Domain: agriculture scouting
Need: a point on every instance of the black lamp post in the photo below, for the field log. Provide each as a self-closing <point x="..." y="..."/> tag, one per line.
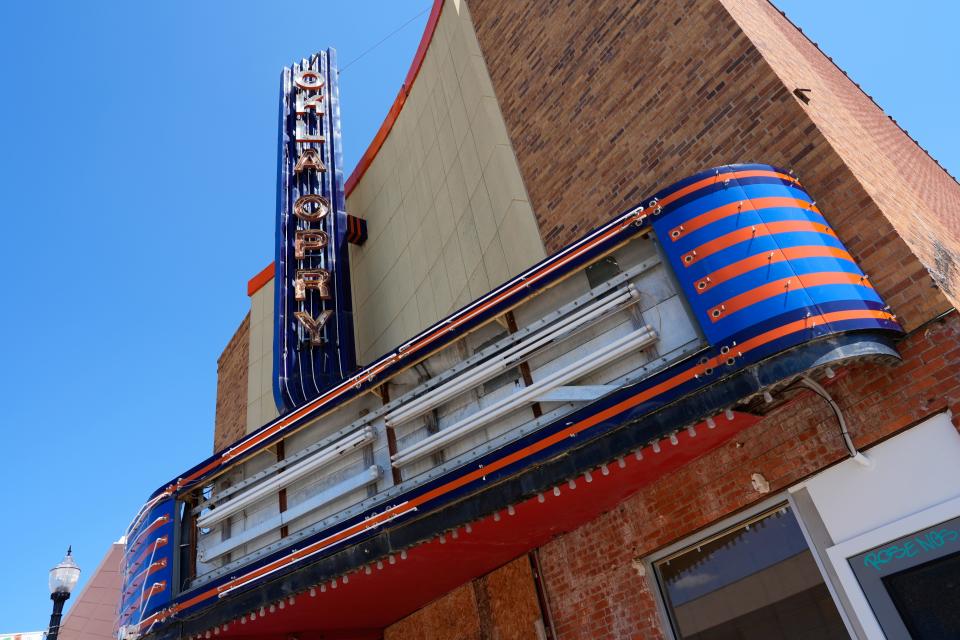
<point x="63" y="578"/>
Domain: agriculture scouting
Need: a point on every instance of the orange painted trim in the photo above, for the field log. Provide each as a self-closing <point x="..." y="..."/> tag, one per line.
<point x="260" y="280"/>
<point x="367" y="159"/>
<point x="154" y="589"/>
<point x="135" y="565"/>
<point x="156" y="524"/>
<point x="765" y="259"/>
<point x="781" y="286"/>
<point x="425" y="40"/>
<point x="145" y="509"/>
<point x="755" y="231"/>
<point x="153" y="568"/>
<point x="381" y="136"/>
<point x="722" y="177"/>
<point x="735" y="208"/>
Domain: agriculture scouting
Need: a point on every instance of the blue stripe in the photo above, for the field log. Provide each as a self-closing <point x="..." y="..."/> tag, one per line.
<point x="808" y="298"/>
<point x="744" y="220"/>
<point x="759" y="245"/>
<point x="774" y="271"/>
<point x="707" y="201"/>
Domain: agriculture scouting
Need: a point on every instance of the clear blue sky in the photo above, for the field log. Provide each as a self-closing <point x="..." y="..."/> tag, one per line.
<point x="137" y="166"/>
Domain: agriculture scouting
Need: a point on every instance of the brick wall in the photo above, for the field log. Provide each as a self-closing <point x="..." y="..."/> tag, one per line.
<point x="916" y="195"/>
<point x="501" y="605"/>
<point x="607" y="101"/>
<point x="232" y="365"/>
<point x="592" y="588"/>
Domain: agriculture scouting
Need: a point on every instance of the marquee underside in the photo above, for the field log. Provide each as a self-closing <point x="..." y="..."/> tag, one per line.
<point x="366" y="604"/>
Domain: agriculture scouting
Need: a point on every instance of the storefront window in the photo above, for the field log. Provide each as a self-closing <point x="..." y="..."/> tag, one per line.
<point x="926" y="598"/>
<point x="913" y="582"/>
<point x="757" y="580"/>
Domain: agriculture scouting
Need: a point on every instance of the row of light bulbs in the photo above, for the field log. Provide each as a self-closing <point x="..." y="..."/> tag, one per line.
<point x="453" y="533"/>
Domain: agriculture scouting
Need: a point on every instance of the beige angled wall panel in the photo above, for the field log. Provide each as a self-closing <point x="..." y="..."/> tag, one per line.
<point x="261" y="407"/>
<point x="447" y="212"/>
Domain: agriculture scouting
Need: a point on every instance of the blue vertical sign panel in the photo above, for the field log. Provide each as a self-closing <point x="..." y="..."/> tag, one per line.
<point x="313" y="334"/>
<point x="147" y="572"/>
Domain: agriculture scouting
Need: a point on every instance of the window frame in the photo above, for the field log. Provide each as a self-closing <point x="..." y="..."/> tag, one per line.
<point x="839" y="555"/>
<point x="714" y="530"/>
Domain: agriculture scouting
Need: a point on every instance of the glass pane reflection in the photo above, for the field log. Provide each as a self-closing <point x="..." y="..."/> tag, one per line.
<point x="758" y="580"/>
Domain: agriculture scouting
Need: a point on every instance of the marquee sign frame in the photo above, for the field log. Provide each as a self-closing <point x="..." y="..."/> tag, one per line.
<point x="313" y="332"/>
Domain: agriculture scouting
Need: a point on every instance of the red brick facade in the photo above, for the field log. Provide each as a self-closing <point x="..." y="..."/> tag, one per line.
<point x="606" y="102"/>
<point x="232" y="365"/>
<point x="592" y="584"/>
<point x="593" y="589"/>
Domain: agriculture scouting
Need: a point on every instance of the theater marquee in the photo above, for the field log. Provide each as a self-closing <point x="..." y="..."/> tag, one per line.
<point x="314" y="344"/>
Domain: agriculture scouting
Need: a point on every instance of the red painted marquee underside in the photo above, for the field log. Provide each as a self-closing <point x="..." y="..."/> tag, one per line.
<point x="366" y="604"/>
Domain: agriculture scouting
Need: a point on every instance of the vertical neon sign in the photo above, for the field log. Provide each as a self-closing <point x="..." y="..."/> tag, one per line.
<point x="313" y="334"/>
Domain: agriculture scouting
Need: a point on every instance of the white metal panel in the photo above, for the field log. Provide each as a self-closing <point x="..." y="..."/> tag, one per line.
<point x="912" y="471"/>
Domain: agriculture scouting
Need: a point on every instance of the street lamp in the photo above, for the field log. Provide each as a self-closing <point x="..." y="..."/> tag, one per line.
<point x="63" y="578"/>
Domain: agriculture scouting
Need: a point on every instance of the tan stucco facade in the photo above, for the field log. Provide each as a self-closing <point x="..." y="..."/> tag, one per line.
<point x="447" y="212"/>
<point x="261" y="407"/>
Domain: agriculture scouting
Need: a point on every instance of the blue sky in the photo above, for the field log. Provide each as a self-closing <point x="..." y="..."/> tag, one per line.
<point x="137" y="166"/>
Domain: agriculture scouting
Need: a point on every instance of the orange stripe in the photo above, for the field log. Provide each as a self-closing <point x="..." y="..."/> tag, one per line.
<point x="159" y="542"/>
<point x="154" y="589"/>
<point x="421" y="53"/>
<point x="755" y="231"/>
<point x="706" y="182"/>
<point x="804" y="323"/>
<point x="367" y="159"/>
<point x="156" y="524"/>
<point x="763" y="259"/>
<point x="734" y="208"/>
<point x="648" y="394"/>
<point x="153" y="568"/>
<point x="783" y="285"/>
<point x="145" y="509"/>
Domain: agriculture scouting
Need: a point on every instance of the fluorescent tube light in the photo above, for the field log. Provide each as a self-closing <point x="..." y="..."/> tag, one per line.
<point x="519" y="352"/>
<point x="284" y="478"/>
<point x="313" y="502"/>
<point x="616" y="349"/>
